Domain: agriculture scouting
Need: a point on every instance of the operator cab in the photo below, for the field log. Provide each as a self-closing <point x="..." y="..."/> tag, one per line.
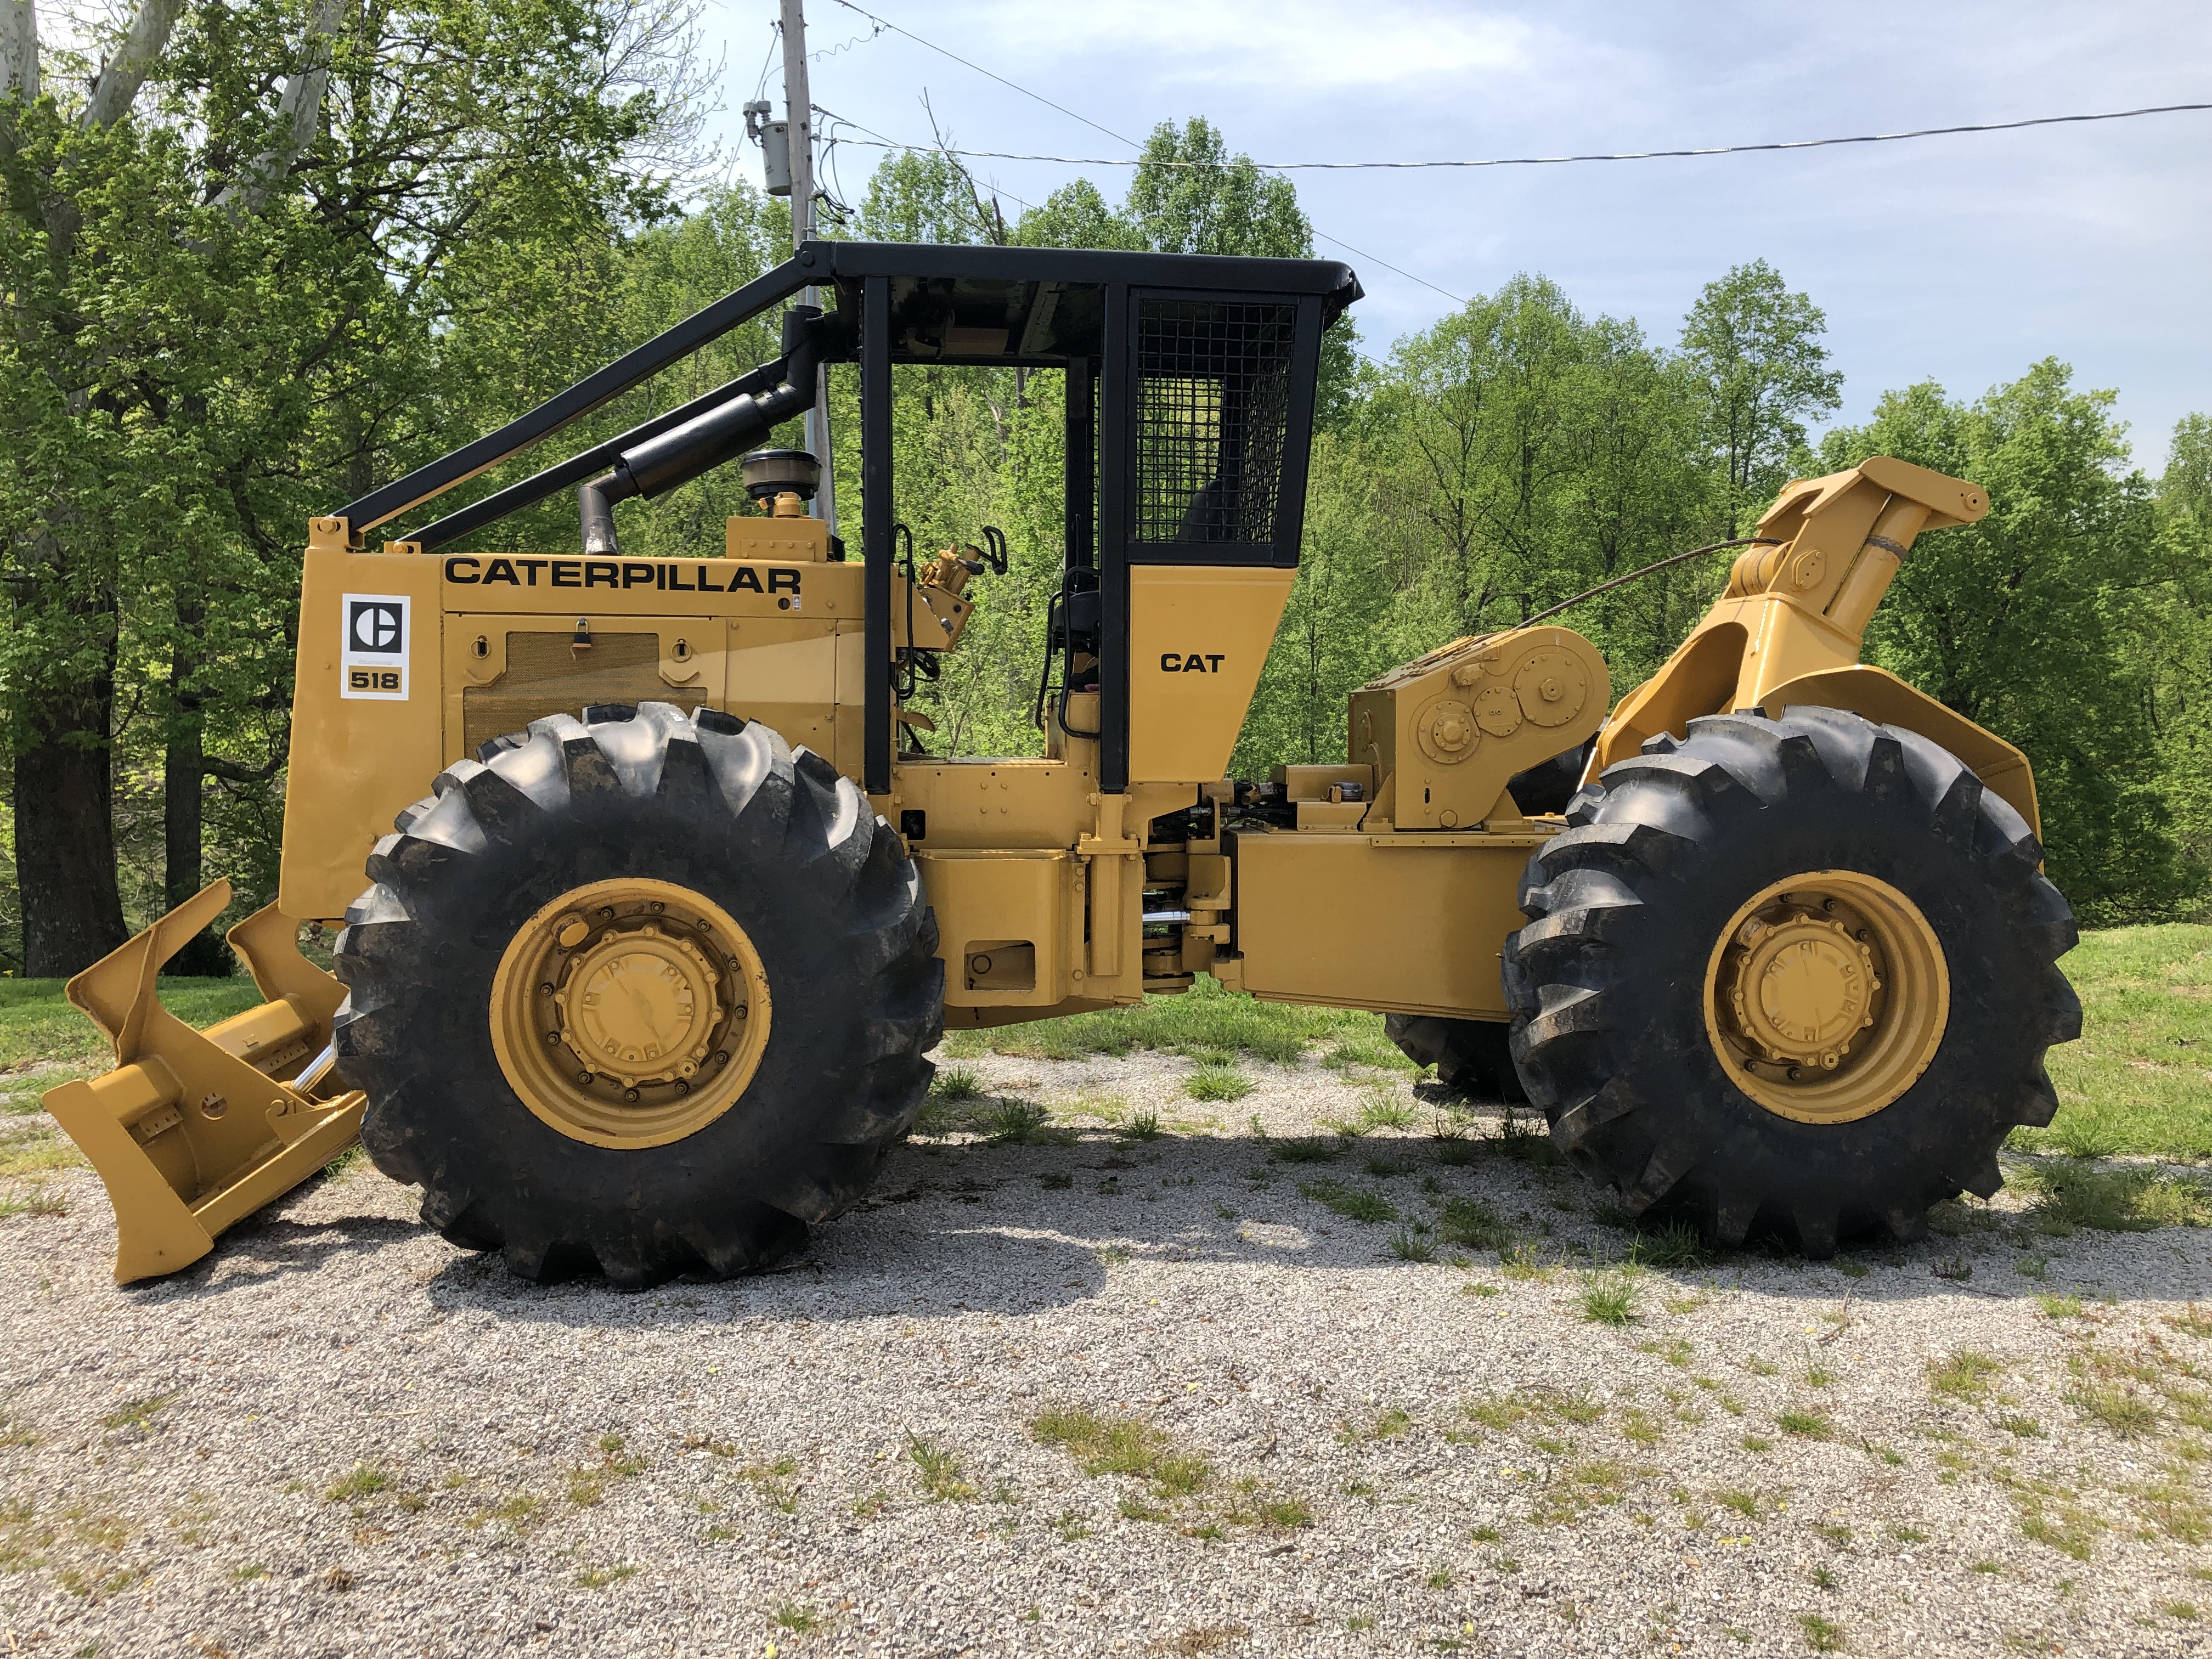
<point x="1190" y="387"/>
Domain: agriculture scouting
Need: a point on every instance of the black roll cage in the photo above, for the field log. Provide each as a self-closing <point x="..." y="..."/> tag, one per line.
<point x="894" y="303"/>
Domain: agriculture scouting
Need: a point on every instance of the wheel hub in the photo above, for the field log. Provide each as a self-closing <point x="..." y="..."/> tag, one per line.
<point x="629" y="1012"/>
<point x="1803" y="988"/>
<point x="1826" y="996"/>
<point x="641" y="1005"/>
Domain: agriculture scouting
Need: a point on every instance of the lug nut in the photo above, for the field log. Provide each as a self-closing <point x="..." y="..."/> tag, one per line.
<point x="722" y="1056"/>
<point x="583" y="1077"/>
<point x="552" y="1039"/>
<point x="629" y="1097"/>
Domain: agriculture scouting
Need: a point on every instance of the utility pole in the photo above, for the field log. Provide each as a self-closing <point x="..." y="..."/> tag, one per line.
<point x="798" y="117"/>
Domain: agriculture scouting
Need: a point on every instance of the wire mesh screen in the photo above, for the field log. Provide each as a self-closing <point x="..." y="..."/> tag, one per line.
<point x="1213" y="408"/>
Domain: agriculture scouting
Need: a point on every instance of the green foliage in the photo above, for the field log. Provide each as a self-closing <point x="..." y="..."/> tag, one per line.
<point x="1609" y="1296"/>
<point x="1354" y="1203"/>
<point x="1216" y="1082"/>
<point x="2073" y="1193"/>
<point x="219" y="323"/>
<point x="1202" y="1021"/>
<point x="1101" y="1444"/>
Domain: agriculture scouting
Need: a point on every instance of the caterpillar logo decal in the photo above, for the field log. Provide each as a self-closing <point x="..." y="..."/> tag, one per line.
<point x="467" y="571"/>
<point x="1195" y="662"/>
<point x="373" y="649"/>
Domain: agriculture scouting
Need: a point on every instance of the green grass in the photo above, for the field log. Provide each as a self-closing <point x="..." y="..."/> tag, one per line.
<point x="1610" y="1296"/>
<point x="1354" y="1203"/>
<point x="1018" y="1122"/>
<point x="1806" y="1426"/>
<point x="956" y="1083"/>
<point x="1821" y="1635"/>
<point x="2072" y="1194"/>
<point x="1101" y="1444"/>
<point x="1201" y="1021"/>
<point x="2136" y="1081"/>
<point x="1964" y="1376"/>
<point x="1413" y="1243"/>
<point x="363" y="1480"/>
<point x="39" y="1027"/>
<point x="1212" y="1081"/>
<point x="1471" y="1222"/>
<point x="942" y="1477"/>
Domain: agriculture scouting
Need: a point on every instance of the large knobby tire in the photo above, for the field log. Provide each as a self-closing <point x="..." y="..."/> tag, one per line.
<point x="1473" y="1058"/>
<point x="1622" y="1010"/>
<point x="723" y="818"/>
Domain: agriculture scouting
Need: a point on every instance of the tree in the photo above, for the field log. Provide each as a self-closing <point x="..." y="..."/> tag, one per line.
<point x="2170" y="635"/>
<point x="1076" y="215"/>
<point x="221" y="254"/>
<point x="1332" y="637"/>
<point x="1189" y="195"/>
<point x="1755" y="347"/>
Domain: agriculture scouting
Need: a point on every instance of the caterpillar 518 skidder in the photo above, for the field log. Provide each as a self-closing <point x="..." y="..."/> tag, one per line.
<point x="645" y="981"/>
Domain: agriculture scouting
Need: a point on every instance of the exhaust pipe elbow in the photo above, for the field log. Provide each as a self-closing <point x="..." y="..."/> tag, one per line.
<point x="595" y="509"/>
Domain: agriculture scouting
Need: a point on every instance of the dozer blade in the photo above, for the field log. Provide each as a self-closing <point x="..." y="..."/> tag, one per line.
<point x="194" y="1131"/>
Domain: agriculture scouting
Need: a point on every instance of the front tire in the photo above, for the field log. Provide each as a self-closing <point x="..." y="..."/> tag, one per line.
<point x="647" y="993"/>
<point x="1794" y="977"/>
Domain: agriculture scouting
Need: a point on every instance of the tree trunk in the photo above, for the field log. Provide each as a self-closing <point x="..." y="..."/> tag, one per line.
<point x="65" y="838"/>
<point x="183" y="817"/>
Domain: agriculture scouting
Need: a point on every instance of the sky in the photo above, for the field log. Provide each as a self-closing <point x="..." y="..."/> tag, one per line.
<point x="1959" y="260"/>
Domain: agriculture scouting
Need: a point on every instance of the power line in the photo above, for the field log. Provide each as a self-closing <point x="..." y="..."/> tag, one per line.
<point x="1562" y="161"/>
<point x="885" y="23"/>
<point x="845" y="46"/>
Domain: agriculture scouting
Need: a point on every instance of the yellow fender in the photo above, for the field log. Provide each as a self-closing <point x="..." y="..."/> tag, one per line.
<point x="195" y="1131"/>
<point x="1881" y="696"/>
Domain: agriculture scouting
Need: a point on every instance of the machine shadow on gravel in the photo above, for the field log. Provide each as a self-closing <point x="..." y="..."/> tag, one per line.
<point x="1019" y="1229"/>
<point x="277" y="1245"/>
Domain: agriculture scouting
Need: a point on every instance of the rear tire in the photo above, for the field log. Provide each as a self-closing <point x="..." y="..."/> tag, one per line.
<point x="839" y="941"/>
<point x="1623" y="1013"/>
<point x="1473" y="1058"/>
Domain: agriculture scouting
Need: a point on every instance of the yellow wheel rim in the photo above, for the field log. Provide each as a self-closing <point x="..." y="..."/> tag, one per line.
<point x="1827" y="995"/>
<point x="629" y="1013"/>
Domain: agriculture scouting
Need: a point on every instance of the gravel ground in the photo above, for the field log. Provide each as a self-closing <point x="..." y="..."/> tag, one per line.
<point x="340" y="1436"/>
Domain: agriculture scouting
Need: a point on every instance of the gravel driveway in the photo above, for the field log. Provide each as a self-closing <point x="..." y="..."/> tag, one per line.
<point x="1095" y="1393"/>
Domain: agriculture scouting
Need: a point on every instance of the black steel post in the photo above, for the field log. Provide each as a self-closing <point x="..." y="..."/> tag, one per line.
<point x="1116" y="390"/>
<point x="1082" y="466"/>
<point x="876" y="528"/>
<point x="1289" y="527"/>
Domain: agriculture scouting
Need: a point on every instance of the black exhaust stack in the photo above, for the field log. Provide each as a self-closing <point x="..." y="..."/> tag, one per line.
<point x="680" y="454"/>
